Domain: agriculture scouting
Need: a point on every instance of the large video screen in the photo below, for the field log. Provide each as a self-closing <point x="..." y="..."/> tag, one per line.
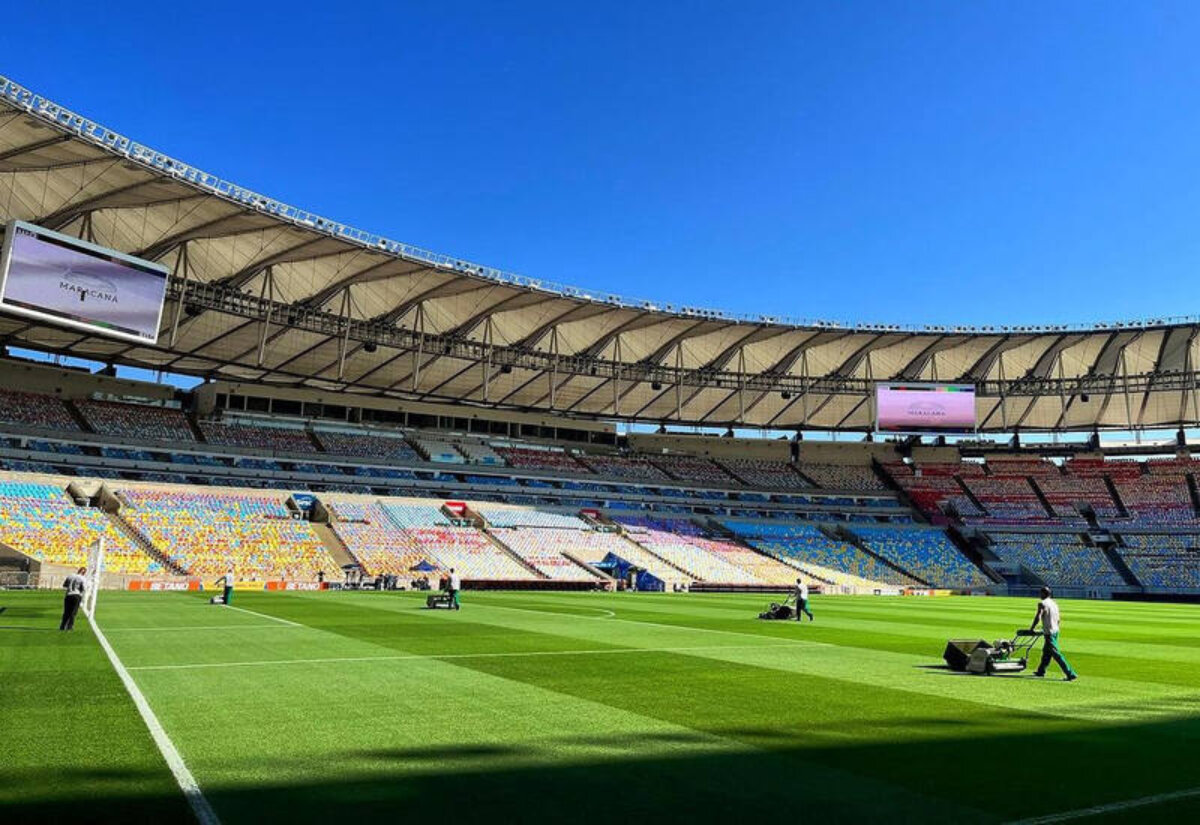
<point x="57" y="278"/>
<point x="925" y="408"/>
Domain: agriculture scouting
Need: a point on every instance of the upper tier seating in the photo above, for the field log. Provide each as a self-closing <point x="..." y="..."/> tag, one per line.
<point x="926" y="553"/>
<point x="630" y="467"/>
<point x="1057" y="559"/>
<point x="136" y="421"/>
<point x="207" y="533"/>
<point x="1164" y="560"/>
<point x="477" y="452"/>
<point x="842" y="476"/>
<point x="366" y="445"/>
<point x="438" y="450"/>
<point x="692" y="468"/>
<point x="1066" y="492"/>
<point x="1008" y="499"/>
<point x="769" y="475"/>
<point x="934" y="488"/>
<point x="279" y="439"/>
<point x="1036" y="467"/>
<point x="34" y="410"/>
<point x="1157" y="499"/>
<point x="40" y="521"/>
<point x="530" y="458"/>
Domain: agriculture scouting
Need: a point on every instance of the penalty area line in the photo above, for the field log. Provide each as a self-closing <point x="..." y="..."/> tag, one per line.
<point x="179" y="769"/>
<point x="265" y="616"/>
<point x="1111" y="807"/>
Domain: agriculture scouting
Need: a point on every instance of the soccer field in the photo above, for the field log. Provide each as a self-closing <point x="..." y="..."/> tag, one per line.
<point x="591" y="708"/>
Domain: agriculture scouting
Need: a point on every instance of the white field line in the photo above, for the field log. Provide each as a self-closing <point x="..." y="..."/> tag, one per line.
<point x="264" y="616"/>
<point x="187" y="783"/>
<point x="197" y="627"/>
<point x="449" y="656"/>
<point x="1111" y="807"/>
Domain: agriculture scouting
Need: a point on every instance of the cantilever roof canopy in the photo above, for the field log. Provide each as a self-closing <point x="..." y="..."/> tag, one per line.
<point x="263" y="291"/>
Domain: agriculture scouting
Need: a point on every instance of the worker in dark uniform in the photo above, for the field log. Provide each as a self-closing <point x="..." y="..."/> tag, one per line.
<point x="75" y="585"/>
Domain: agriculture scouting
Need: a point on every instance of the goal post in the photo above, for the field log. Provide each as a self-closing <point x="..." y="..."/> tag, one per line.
<point x="93" y="577"/>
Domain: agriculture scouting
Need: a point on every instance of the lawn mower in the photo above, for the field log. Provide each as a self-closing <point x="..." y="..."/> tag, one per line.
<point x="777" y="611"/>
<point x="999" y="657"/>
<point x="439" y="600"/>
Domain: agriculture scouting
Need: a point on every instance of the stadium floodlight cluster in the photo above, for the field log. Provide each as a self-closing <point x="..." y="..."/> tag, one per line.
<point x="64" y="119"/>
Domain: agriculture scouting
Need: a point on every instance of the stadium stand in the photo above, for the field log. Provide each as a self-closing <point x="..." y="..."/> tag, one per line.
<point x="1057" y="559"/>
<point x="136" y="421"/>
<point x="807" y="545"/>
<point x="682" y="551"/>
<point x="926" y="553"/>
<point x="527" y="517"/>
<point x="437" y="450"/>
<point x="531" y="458"/>
<point x="842" y="476"/>
<point x="42" y="522"/>
<point x="1163" y="560"/>
<point x="626" y="467"/>
<point x="478" y="452"/>
<point x="1007" y="500"/>
<point x="770" y="475"/>
<point x="763" y="568"/>
<point x="366" y="445"/>
<point x="373" y="539"/>
<point x="691" y="468"/>
<point x="35" y="410"/>
<point x="259" y="437"/>
<point x="542" y="549"/>
<point x="1160" y="498"/>
<point x="207" y="533"/>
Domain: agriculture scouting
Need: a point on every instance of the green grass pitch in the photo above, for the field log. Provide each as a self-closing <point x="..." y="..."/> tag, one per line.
<point x="547" y="707"/>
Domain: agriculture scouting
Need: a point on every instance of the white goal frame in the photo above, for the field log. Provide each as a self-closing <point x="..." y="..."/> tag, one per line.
<point x="93" y="577"/>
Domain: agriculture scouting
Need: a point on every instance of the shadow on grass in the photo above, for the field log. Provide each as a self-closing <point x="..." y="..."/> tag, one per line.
<point x="889" y="780"/>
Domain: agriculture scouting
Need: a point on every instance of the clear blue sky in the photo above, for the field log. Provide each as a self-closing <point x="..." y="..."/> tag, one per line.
<point x="978" y="162"/>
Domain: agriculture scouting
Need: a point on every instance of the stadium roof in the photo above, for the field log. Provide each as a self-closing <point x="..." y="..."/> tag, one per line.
<point x="266" y="292"/>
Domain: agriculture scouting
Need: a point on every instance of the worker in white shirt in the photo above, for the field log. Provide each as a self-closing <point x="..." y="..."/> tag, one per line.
<point x="802" y="601"/>
<point x="455" y="586"/>
<point x="1047" y="614"/>
<point x="228" y="580"/>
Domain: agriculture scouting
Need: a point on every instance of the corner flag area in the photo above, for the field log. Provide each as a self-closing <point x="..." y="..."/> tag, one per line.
<point x="548" y="707"/>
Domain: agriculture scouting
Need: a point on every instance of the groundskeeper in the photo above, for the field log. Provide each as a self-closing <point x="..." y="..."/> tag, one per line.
<point x="1047" y="614"/>
<point x="802" y="601"/>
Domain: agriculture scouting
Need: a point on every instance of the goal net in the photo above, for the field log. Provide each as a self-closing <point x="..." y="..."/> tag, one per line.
<point x="93" y="577"/>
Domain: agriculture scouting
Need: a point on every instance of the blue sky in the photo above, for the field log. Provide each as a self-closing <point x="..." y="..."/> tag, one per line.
<point x="939" y="162"/>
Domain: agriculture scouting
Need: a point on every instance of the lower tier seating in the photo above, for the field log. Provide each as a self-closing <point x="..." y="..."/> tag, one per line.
<point x="206" y="534"/>
<point x="40" y="521"/>
<point x="927" y="554"/>
<point x="1163" y="560"/>
<point x="1057" y="559"/>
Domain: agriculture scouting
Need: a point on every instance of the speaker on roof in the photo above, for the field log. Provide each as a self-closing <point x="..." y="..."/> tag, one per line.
<point x="370" y="346"/>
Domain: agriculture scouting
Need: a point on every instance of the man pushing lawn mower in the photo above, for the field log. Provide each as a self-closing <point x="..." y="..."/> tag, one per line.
<point x="1047" y="614"/>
